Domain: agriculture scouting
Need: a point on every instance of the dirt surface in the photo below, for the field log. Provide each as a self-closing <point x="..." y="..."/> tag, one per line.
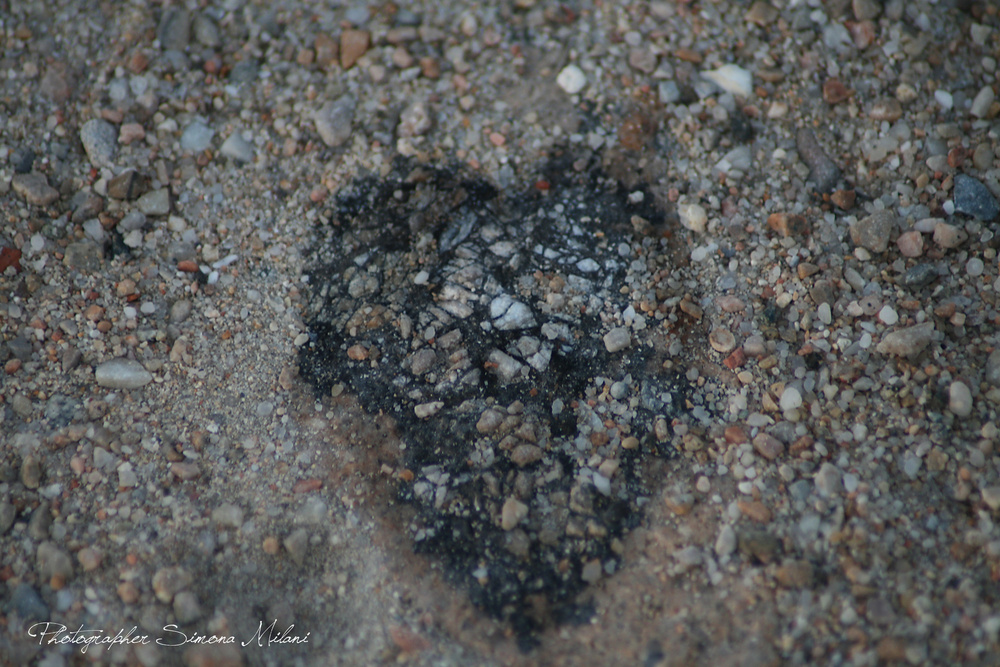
<point x="523" y="333"/>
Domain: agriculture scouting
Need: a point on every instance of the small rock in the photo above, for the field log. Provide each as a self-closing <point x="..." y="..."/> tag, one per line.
<point x="8" y="513"/>
<point x="754" y="510"/>
<point x="721" y="340"/>
<point x="795" y="574"/>
<point x="910" y="244"/>
<point x="866" y="10"/>
<point x="127" y="478"/>
<point x="513" y="512"/>
<point x="237" y="148"/>
<point x="334" y="120"/>
<point x="571" y="79"/>
<point x="983" y="101"/>
<point x="174" y="30"/>
<point x="197" y="137"/>
<point x="973" y="198"/>
<point x="34" y="188"/>
<point x="725" y="543"/>
<point x="180" y="311"/>
<point x="206" y="32"/>
<point x="791" y="398"/>
<point x="822" y="170"/>
<point x="228" y="515"/>
<point x="732" y="79"/>
<point x="155" y="202"/>
<point x="185" y="471"/>
<point x="959" y="399"/>
<point x="873" y="232"/>
<point x="907" y="342"/>
<point x="122" y="374"/>
<point x="100" y="140"/>
<point x="887" y="108"/>
<point x="523" y="455"/>
<point x="169" y="581"/>
<point x="759" y="544"/>
<point x="788" y="224"/>
<point x="948" y="236"/>
<point x="768" y="446"/>
<point x="829" y="480"/>
<point x="425" y="410"/>
<point x="186" y="607"/>
<point x="53" y="562"/>
<point x="888" y="315"/>
<point x="489" y="421"/>
<point x="591" y="572"/>
<point x="28" y="604"/>
<point x="353" y="45"/>
<point x="991" y="496"/>
<point x="126" y="185"/>
<point x="693" y="217"/>
<point x="31" y="472"/>
<point x="992" y="371"/>
<point x="617" y="339"/>
<point x="297" y="545"/>
<point x="415" y="120"/>
<point x="84" y="256"/>
<point x="89" y="558"/>
<point x="844" y="199"/>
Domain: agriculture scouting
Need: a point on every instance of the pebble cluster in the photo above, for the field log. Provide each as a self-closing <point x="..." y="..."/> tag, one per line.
<point x="802" y="256"/>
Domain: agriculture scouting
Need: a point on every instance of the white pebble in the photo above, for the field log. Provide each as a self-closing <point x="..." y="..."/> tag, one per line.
<point x="732" y="79"/>
<point x="888" y="315"/>
<point x="959" y="399"/>
<point x="693" y="217"/>
<point x="571" y="79"/>
<point x="122" y="374"/>
<point x="944" y="98"/>
<point x="791" y="398"/>
<point x="617" y="339"/>
<point x="974" y="267"/>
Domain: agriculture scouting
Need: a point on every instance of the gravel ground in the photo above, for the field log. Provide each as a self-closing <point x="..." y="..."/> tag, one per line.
<point x="536" y="333"/>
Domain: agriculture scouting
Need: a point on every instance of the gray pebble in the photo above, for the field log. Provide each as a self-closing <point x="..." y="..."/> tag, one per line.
<point x="31" y="471"/>
<point x="52" y="561"/>
<point x="334" y="120"/>
<point x="133" y="220"/>
<point x="169" y="581"/>
<point x="155" y="202"/>
<point x="126" y="476"/>
<point x="175" y="29"/>
<point x="237" y="148"/>
<point x="100" y="140"/>
<point x="822" y="170"/>
<point x="973" y="198"/>
<point x="873" y="232"/>
<point x="71" y="358"/>
<point x="228" y="515"/>
<point x="7" y="515"/>
<point x="617" y="339"/>
<point x="84" y="256"/>
<point x="828" y="480"/>
<point x="725" y="543"/>
<point x="312" y="512"/>
<point x="992" y="372"/>
<point x="908" y="341"/>
<point x="20" y="347"/>
<point x="245" y="71"/>
<point x="296" y="544"/>
<point x="21" y="405"/>
<point x="34" y="188"/>
<point x="959" y="399"/>
<point x="180" y="311"/>
<point x="186" y="607"/>
<point x="28" y="604"/>
<point x="205" y="31"/>
<point x="920" y="275"/>
<point x="122" y="374"/>
<point x="197" y="137"/>
<point x="40" y="522"/>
